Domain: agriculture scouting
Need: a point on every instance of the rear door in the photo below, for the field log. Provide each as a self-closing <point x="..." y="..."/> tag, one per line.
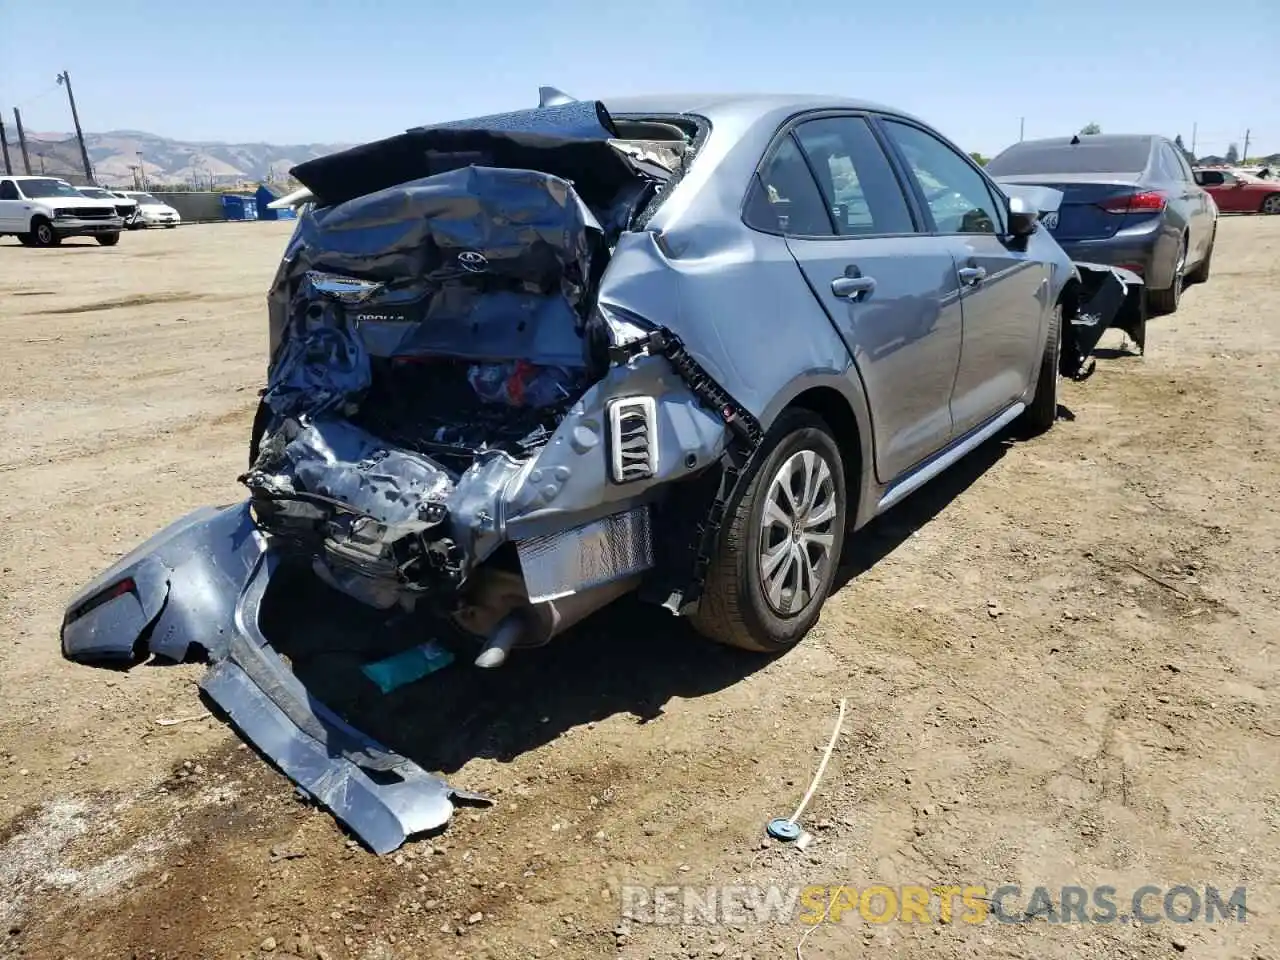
<point x="1184" y="197"/>
<point x="890" y="290"/>
<point x="1003" y="289"/>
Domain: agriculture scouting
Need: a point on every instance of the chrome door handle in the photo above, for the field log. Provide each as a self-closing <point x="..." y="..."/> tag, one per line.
<point x="972" y="276"/>
<point x="853" y="288"/>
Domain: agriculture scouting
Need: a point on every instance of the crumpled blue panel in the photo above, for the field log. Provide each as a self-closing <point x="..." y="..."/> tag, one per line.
<point x="481" y="225"/>
<point x="322" y="365"/>
<point x="336" y="459"/>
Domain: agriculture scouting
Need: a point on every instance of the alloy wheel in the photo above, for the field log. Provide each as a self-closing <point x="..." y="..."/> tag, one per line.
<point x="1271" y="204"/>
<point x="797" y="531"/>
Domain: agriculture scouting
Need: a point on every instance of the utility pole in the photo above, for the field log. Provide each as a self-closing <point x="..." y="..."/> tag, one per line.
<point x="1193" y="138"/>
<point x="22" y="141"/>
<point x="64" y="79"/>
<point x="4" y="139"/>
<point x="142" y="167"/>
<point x="1244" y="157"/>
<point x="41" y="156"/>
<point x="1022" y="127"/>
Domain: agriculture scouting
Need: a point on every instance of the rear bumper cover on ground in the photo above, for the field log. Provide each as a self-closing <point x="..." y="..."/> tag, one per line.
<point x="200" y="583"/>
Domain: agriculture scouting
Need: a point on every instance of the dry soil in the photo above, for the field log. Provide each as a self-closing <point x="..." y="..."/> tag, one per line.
<point x="1059" y="660"/>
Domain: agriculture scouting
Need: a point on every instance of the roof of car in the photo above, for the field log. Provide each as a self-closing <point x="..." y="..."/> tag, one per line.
<point x="721" y="103"/>
<point x="35" y="176"/>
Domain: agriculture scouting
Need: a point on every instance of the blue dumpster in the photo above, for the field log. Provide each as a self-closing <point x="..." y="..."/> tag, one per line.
<point x="237" y="207"/>
<point x="264" y="196"/>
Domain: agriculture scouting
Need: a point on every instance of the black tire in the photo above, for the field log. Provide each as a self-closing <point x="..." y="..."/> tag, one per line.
<point x="1042" y="411"/>
<point x="108" y="239"/>
<point x="1270" y="204"/>
<point x="1166" y="301"/>
<point x="170" y="226"/>
<point x="26" y="239"/>
<point x="42" y="233"/>
<point x="735" y="608"/>
<point x="261" y="417"/>
<point x="1201" y="273"/>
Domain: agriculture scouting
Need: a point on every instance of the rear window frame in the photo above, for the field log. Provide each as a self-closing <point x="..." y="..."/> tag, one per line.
<point x="1066" y="149"/>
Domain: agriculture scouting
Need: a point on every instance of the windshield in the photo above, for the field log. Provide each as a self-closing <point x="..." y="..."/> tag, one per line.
<point x="32" y="189"/>
<point x="143" y="198"/>
<point x="1121" y="157"/>
<point x="95" y="193"/>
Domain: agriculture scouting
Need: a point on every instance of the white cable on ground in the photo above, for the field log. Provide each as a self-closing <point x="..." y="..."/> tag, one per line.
<point x="835" y="735"/>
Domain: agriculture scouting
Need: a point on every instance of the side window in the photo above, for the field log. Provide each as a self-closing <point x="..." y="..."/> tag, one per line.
<point x="784" y="198"/>
<point x="1169" y="164"/>
<point x="955" y="192"/>
<point x="8" y="191"/>
<point x="1187" y="174"/>
<point x="857" y="183"/>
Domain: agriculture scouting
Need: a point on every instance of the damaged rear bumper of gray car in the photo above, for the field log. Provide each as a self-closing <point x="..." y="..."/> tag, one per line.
<point x="199" y="584"/>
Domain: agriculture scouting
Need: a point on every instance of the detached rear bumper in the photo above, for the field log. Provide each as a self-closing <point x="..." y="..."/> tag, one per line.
<point x="200" y="583"/>
<point x="1107" y="297"/>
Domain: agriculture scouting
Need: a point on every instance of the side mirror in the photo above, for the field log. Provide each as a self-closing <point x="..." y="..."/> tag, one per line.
<point x="1022" y="217"/>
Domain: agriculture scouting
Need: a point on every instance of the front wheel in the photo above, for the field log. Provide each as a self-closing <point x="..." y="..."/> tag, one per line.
<point x="108" y="239"/>
<point x="42" y="233"/>
<point x="778" y="549"/>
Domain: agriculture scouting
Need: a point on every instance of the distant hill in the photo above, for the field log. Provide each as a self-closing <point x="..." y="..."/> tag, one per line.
<point x="114" y="154"/>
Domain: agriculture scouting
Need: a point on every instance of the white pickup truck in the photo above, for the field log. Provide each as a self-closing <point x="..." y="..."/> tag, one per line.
<point x="41" y="211"/>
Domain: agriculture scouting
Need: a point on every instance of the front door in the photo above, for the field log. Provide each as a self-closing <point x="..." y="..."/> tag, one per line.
<point x="11" y="209"/>
<point x="890" y="290"/>
<point x="1003" y="290"/>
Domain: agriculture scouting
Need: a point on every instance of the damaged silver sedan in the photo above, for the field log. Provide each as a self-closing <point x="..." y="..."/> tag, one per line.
<point x="526" y="364"/>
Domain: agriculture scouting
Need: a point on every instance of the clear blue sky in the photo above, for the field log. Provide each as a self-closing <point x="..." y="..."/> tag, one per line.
<point x="291" y="71"/>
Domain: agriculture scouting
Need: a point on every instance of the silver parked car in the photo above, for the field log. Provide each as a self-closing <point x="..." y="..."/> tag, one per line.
<point x="523" y="365"/>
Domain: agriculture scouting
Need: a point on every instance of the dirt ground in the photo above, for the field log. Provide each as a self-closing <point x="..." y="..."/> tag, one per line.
<point x="1060" y="664"/>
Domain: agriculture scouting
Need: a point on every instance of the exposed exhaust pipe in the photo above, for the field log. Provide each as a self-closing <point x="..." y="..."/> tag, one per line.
<point x="533" y="624"/>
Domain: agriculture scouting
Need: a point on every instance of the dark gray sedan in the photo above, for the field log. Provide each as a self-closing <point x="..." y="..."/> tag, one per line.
<point x="1131" y="201"/>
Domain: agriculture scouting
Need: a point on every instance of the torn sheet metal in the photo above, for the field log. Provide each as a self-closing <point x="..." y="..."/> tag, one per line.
<point x="200" y="584"/>
<point x="1109" y="297"/>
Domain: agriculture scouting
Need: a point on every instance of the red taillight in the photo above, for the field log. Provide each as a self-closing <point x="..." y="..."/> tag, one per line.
<point x="117" y="589"/>
<point x="1149" y="201"/>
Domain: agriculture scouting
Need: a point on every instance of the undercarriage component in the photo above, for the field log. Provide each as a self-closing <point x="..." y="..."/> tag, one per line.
<point x="592" y="555"/>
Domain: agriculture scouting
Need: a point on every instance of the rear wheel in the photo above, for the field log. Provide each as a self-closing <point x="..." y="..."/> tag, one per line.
<point x="1042" y="411"/>
<point x="1166" y="301"/>
<point x="1201" y="273"/>
<point x="108" y="239"/>
<point x="42" y="233"/>
<point x="776" y="559"/>
<point x="1270" y="203"/>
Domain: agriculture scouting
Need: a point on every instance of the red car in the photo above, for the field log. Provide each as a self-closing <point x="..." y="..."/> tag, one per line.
<point x="1239" y="192"/>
